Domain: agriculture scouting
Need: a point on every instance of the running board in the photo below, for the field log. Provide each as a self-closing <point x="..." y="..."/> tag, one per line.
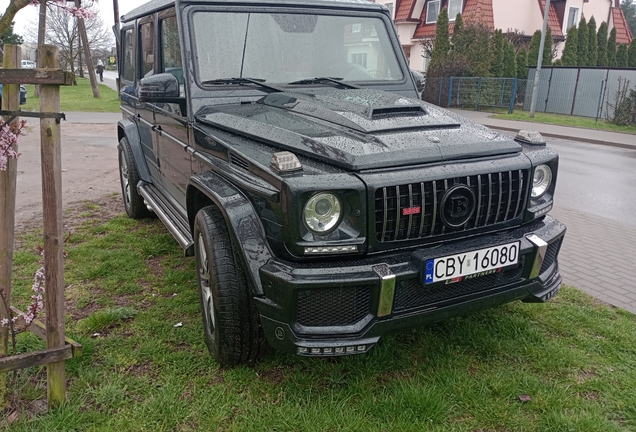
<point x="174" y="222"/>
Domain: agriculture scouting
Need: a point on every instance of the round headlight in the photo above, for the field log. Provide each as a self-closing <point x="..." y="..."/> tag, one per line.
<point x="541" y="180"/>
<point x="322" y="212"/>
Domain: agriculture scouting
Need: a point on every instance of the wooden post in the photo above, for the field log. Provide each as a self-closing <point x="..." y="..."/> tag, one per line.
<point x="41" y="37"/>
<point x="10" y="101"/>
<point x="87" y="52"/>
<point x="50" y="139"/>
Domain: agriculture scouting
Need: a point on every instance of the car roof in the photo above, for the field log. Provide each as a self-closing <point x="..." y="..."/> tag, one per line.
<point x="157" y="5"/>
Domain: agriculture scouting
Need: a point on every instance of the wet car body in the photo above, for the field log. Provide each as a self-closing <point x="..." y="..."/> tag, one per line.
<point x="396" y="165"/>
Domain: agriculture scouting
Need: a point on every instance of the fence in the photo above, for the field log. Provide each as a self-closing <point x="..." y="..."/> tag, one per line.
<point x="587" y="92"/>
<point x="473" y="93"/>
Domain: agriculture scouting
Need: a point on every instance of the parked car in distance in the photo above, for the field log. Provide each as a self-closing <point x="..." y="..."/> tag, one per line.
<point x="23" y="94"/>
<point x="284" y="145"/>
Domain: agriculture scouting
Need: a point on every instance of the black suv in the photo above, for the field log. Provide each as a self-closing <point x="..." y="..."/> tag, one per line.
<point x="283" y="145"/>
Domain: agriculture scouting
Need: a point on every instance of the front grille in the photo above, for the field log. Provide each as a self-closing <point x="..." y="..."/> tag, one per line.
<point x="333" y="306"/>
<point x="412" y="294"/>
<point x="550" y="256"/>
<point x="500" y="197"/>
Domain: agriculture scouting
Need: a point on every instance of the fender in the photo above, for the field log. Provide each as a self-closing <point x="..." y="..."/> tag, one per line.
<point x="243" y="223"/>
<point x="128" y="128"/>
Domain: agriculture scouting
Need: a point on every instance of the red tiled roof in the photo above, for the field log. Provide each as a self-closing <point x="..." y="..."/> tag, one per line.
<point x="405" y="10"/>
<point x="479" y="12"/>
<point x="553" y="19"/>
<point x="623" y="33"/>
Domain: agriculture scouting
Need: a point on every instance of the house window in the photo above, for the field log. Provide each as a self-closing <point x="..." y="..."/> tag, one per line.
<point x="573" y="17"/>
<point x="432" y="10"/>
<point x="359" y="59"/>
<point x="454" y="8"/>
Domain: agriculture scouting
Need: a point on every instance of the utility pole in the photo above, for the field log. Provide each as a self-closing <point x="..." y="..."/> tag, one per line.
<point x="537" y="74"/>
<point x="87" y="52"/>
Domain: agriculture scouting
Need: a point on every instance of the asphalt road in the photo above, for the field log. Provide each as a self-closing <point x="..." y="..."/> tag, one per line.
<point x="597" y="180"/>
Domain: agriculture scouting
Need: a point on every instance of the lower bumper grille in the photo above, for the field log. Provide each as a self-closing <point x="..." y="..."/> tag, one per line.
<point x="333" y="306"/>
<point x="550" y="255"/>
<point x="411" y="294"/>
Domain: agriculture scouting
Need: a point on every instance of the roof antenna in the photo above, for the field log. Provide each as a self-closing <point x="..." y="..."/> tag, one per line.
<point x="245" y="44"/>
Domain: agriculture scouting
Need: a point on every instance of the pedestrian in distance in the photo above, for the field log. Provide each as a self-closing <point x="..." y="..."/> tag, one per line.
<point x="100" y="70"/>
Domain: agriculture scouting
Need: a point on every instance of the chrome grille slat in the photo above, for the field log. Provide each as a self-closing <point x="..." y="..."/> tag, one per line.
<point x="397" y="212"/>
<point x="422" y="209"/>
<point x="520" y="196"/>
<point x="391" y="225"/>
<point x="509" y="194"/>
<point x="434" y="206"/>
<point x="386" y="211"/>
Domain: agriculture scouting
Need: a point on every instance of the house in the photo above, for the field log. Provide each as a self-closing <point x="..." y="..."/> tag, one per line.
<point x="416" y="19"/>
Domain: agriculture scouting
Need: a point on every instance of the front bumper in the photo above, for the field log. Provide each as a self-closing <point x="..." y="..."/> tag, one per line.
<point x="326" y="309"/>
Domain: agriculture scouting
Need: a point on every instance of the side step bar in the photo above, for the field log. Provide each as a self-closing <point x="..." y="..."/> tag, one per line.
<point x="176" y="224"/>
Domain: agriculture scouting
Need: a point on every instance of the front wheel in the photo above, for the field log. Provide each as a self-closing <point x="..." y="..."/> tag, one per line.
<point x="231" y="322"/>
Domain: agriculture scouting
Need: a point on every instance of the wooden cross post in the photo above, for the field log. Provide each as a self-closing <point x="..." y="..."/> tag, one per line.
<point x="10" y="101"/>
<point x="51" y="150"/>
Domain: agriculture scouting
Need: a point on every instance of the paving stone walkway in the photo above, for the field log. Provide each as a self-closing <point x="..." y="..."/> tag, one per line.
<point x="598" y="257"/>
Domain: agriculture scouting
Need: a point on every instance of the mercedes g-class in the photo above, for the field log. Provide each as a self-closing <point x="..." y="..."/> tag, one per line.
<point x="283" y="145"/>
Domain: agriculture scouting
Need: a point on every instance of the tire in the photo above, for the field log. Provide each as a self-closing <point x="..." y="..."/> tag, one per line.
<point x="231" y="323"/>
<point x="129" y="177"/>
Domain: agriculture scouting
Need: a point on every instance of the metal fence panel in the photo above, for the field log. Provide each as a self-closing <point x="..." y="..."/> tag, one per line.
<point x="542" y="94"/>
<point x="589" y="92"/>
<point x="609" y="98"/>
<point x="473" y="93"/>
<point x="561" y="90"/>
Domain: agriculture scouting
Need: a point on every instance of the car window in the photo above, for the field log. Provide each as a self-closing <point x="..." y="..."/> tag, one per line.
<point x="128" y="71"/>
<point x="147" y="32"/>
<point x="284" y="48"/>
<point x="170" y="48"/>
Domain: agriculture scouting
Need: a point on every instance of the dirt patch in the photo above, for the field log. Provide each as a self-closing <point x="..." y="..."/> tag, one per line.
<point x="273" y="376"/>
<point x="585" y="376"/>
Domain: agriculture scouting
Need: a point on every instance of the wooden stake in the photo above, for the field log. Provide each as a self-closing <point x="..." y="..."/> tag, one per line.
<point x="10" y="101"/>
<point x="87" y="52"/>
<point x="50" y="139"/>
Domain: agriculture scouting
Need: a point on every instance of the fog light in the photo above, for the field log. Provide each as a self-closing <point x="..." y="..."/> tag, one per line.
<point x="302" y="350"/>
<point x="361" y="347"/>
<point x="315" y="351"/>
<point x="340" y="350"/>
<point x="328" y="350"/>
<point x="350" y="349"/>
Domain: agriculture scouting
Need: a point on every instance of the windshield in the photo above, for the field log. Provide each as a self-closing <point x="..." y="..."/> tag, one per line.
<point x="283" y="48"/>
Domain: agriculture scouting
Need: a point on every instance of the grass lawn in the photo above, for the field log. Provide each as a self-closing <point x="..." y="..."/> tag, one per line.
<point x="566" y="120"/>
<point x="78" y="98"/>
<point x="128" y="281"/>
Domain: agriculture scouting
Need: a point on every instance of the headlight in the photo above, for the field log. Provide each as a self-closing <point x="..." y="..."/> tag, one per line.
<point x="322" y="212"/>
<point x="541" y="180"/>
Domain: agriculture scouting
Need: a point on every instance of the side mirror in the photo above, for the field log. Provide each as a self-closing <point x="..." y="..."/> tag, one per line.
<point x="163" y="87"/>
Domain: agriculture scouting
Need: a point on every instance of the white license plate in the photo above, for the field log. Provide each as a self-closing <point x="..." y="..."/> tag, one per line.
<point x="456" y="268"/>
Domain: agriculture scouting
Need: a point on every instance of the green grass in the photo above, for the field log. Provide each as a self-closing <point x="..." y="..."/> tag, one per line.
<point x="78" y="98"/>
<point x="573" y="356"/>
<point x="565" y="120"/>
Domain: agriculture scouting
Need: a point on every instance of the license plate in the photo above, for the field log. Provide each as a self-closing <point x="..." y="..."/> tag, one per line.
<point x="482" y="262"/>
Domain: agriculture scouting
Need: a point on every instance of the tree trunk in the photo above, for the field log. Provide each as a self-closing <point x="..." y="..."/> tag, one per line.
<point x="87" y="53"/>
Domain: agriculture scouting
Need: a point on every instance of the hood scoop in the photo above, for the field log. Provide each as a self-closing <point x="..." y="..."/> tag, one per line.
<point x="397" y="111"/>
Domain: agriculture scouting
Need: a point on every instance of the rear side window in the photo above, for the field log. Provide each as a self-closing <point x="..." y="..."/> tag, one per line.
<point x="147" y="49"/>
<point x="170" y="48"/>
<point x="128" y="72"/>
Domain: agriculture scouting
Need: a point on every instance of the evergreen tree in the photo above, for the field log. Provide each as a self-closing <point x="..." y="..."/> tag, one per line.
<point x="558" y="62"/>
<point x="601" y="38"/>
<point x="496" y="67"/>
<point x="631" y="56"/>
<point x="582" y="54"/>
<point x="535" y="44"/>
<point x="547" y="48"/>
<point x="622" y="59"/>
<point x="569" y="57"/>
<point x="522" y="64"/>
<point x="509" y="60"/>
<point x="476" y="49"/>
<point x="611" y="49"/>
<point x="9" y="37"/>
<point x="629" y="10"/>
<point x="442" y="42"/>
<point x="593" y="43"/>
<point x="459" y="41"/>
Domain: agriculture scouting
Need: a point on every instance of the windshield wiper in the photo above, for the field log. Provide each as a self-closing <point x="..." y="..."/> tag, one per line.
<point x="324" y="80"/>
<point x="242" y="80"/>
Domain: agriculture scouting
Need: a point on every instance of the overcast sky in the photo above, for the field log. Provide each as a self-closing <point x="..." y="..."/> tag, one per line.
<point x="30" y="13"/>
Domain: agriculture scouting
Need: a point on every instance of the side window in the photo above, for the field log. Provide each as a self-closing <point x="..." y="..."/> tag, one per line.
<point x="128" y="71"/>
<point x="147" y="49"/>
<point x="170" y="49"/>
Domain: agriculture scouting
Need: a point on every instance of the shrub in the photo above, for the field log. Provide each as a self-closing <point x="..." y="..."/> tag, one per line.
<point x="509" y="60"/>
<point x="622" y="59"/>
<point x="611" y="49"/>
<point x="522" y="64"/>
<point x="592" y="47"/>
<point x="570" y="51"/>
<point x="601" y="38"/>
<point x="535" y="44"/>
<point x="582" y="53"/>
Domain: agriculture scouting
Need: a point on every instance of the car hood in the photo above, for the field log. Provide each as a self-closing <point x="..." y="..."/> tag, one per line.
<point x="358" y="129"/>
